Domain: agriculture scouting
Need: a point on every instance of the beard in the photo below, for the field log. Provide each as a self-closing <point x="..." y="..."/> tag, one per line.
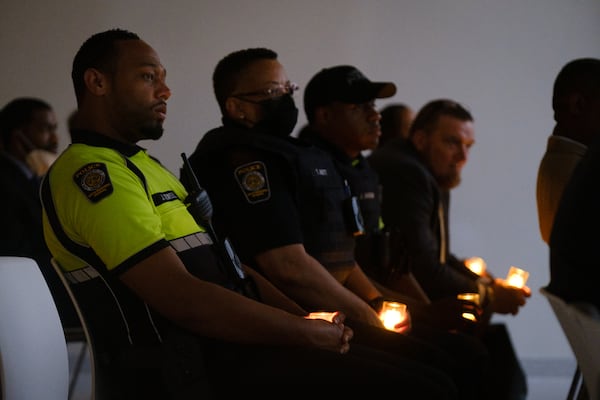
<point x="139" y="122"/>
<point x="448" y="181"/>
<point x="152" y="132"/>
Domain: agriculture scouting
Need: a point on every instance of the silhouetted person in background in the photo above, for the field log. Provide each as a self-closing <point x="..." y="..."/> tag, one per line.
<point x="574" y="272"/>
<point x="576" y="97"/>
<point x="395" y="122"/>
<point x="29" y="140"/>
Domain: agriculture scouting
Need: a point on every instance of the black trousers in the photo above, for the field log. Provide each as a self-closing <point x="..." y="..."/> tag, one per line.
<point x="507" y="380"/>
<point x="275" y="373"/>
<point x="483" y="367"/>
<point x="461" y="357"/>
<point x="211" y="369"/>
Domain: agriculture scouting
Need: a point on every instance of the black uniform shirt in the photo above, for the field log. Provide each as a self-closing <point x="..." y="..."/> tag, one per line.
<point x="268" y="192"/>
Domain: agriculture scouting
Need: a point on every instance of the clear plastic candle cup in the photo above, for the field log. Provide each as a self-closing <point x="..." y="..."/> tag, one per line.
<point x="516" y="277"/>
<point x="392" y="313"/>
<point x="327" y="316"/>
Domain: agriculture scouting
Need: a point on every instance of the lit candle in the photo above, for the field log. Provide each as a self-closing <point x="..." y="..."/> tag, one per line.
<point x="392" y="313"/>
<point x="516" y="277"/>
<point x="472" y="297"/>
<point x="327" y="316"/>
<point x="476" y="265"/>
<point x="469" y="316"/>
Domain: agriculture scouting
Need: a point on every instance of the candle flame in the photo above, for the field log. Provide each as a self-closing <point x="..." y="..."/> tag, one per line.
<point x="472" y="297"/>
<point x="469" y="316"/>
<point x="476" y="265"/>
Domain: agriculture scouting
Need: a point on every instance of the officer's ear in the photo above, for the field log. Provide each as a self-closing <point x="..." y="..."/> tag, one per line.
<point x="95" y="81"/>
<point x="234" y="108"/>
<point x="576" y="103"/>
<point x="322" y="115"/>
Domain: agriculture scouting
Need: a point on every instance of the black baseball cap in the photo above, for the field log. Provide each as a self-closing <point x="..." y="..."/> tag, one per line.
<point x="343" y="83"/>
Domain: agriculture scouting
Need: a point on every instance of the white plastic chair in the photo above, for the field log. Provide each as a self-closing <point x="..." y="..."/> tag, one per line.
<point x="34" y="361"/>
<point x="581" y="324"/>
<point x="588" y="321"/>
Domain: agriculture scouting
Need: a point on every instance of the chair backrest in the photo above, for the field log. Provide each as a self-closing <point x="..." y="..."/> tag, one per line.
<point x="88" y="339"/>
<point x="34" y="361"/>
<point x="581" y="324"/>
<point x="588" y="320"/>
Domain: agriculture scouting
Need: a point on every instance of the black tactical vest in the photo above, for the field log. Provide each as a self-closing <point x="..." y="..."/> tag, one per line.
<point x="318" y="190"/>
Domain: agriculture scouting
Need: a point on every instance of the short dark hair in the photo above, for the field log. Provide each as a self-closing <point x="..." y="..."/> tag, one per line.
<point x="231" y="68"/>
<point x="428" y="115"/>
<point x="581" y="75"/>
<point x="18" y="113"/>
<point x="98" y="51"/>
<point x="389" y="122"/>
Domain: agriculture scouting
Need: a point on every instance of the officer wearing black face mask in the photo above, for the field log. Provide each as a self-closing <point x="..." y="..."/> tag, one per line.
<point x="251" y="163"/>
<point x="279" y="113"/>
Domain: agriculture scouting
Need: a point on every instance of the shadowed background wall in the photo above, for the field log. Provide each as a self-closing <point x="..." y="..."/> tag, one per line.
<point x="498" y="58"/>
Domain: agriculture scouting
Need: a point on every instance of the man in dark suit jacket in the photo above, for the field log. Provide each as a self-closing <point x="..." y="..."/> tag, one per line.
<point x="29" y="145"/>
<point x="416" y="176"/>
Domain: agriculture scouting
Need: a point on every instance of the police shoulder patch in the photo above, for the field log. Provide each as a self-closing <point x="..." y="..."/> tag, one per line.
<point x="94" y="182"/>
<point x="253" y="180"/>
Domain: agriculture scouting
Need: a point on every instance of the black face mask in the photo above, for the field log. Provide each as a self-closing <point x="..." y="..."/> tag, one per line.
<point x="279" y="115"/>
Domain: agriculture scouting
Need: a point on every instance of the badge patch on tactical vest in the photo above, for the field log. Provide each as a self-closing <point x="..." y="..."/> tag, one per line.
<point x="94" y="182"/>
<point x="253" y="181"/>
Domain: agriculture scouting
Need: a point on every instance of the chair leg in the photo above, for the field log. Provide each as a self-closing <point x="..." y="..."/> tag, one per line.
<point x="583" y="393"/>
<point x="77" y="368"/>
<point x="574" y="384"/>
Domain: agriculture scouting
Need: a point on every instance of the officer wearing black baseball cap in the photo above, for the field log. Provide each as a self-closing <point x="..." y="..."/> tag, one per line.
<point x="343" y="121"/>
<point x="343" y="83"/>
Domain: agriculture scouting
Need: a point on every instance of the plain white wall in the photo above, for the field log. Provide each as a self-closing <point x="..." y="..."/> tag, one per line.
<point x="499" y="58"/>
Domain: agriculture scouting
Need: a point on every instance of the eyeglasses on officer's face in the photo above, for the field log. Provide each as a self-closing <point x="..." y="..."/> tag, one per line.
<point x="273" y="91"/>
